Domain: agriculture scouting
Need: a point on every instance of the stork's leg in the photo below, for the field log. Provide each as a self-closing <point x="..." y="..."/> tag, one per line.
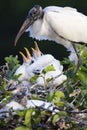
<point x="79" y="60"/>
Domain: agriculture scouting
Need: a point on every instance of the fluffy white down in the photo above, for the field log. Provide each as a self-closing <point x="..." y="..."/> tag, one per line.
<point x="56" y="80"/>
<point x="57" y="75"/>
<point x="22" y="70"/>
<point x="42" y="62"/>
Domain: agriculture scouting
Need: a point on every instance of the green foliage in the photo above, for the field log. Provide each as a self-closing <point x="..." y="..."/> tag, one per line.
<point x="55" y="119"/>
<point x="85" y="128"/>
<point x="58" y="116"/>
<point x="5" y="95"/>
<point x="56" y="98"/>
<point x="13" y="64"/>
<point x="44" y="71"/>
<point x="28" y="116"/>
<point x="15" y="77"/>
<point x="48" y="68"/>
<point x="70" y="98"/>
<point x="31" y="117"/>
<point x="21" y="113"/>
<point x="22" y="128"/>
<point x="34" y="78"/>
<point x="82" y="75"/>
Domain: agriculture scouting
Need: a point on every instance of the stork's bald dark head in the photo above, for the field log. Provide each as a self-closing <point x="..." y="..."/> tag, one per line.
<point x="35" y="13"/>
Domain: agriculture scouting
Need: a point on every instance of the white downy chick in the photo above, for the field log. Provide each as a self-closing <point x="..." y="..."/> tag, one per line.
<point x="40" y="62"/>
<point x="22" y="69"/>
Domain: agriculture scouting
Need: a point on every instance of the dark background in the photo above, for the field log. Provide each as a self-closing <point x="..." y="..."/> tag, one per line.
<point x="12" y="15"/>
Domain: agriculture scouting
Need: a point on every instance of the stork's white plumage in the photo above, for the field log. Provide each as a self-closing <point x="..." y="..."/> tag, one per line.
<point x="64" y="25"/>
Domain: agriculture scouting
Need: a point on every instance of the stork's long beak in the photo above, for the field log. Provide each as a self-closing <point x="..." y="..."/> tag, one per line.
<point x="24" y="26"/>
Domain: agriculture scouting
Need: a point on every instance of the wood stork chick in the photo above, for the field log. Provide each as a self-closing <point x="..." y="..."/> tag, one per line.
<point x="26" y="62"/>
<point x="36" y="52"/>
<point x="64" y="25"/>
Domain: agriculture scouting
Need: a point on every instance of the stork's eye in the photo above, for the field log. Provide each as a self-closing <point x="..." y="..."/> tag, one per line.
<point x="36" y="12"/>
<point x="33" y="13"/>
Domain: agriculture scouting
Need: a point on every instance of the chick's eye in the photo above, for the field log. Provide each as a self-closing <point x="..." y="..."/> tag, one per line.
<point x="32" y="62"/>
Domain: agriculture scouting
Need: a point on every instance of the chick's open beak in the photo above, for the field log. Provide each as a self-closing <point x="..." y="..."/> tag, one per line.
<point x="24" y="26"/>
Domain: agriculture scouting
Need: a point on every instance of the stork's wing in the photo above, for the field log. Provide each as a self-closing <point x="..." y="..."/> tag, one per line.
<point x="67" y="22"/>
<point x="58" y="9"/>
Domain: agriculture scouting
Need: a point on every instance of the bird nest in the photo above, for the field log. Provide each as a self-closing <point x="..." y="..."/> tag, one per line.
<point x="39" y="95"/>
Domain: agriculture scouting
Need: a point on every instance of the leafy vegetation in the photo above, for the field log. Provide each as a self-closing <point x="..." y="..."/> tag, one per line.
<point x="70" y="99"/>
<point x="13" y="64"/>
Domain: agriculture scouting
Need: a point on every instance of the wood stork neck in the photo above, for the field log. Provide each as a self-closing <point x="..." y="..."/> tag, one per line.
<point x="35" y="28"/>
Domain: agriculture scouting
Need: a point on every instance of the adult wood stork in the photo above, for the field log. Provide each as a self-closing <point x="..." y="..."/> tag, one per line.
<point x="64" y="25"/>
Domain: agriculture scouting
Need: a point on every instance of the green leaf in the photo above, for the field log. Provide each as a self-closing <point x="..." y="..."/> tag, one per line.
<point x="55" y="119"/>
<point x="85" y="128"/>
<point x="39" y="128"/>
<point x="62" y="113"/>
<point x="34" y="78"/>
<point x="15" y="77"/>
<point x="28" y="118"/>
<point x="56" y="98"/>
<point x="83" y="52"/>
<point x="4" y="84"/>
<point x="50" y="96"/>
<point x="13" y="64"/>
<point x="12" y="58"/>
<point x="59" y="94"/>
<point x="22" y="128"/>
<point x="58" y="102"/>
<point x="45" y="113"/>
<point x="48" y="68"/>
<point x="82" y="75"/>
<point x="36" y="116"/>
<point x="57" y="116"/>
<point x="48" y="80"/>
<point x="21" y="113"/>
<point x="6" y="99"/>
